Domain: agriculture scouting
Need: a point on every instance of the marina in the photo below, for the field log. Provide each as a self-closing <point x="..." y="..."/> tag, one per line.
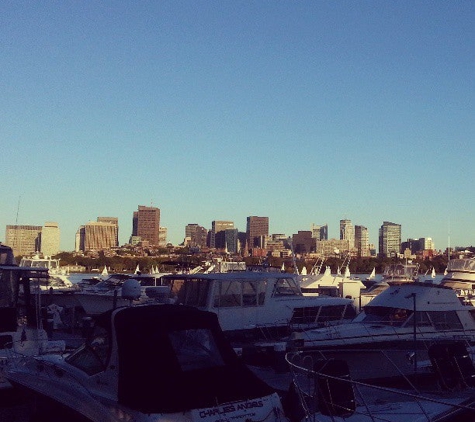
<point x="249" y="334"/>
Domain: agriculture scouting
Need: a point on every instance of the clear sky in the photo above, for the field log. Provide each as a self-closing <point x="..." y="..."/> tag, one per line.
<point x="302" y="111"/>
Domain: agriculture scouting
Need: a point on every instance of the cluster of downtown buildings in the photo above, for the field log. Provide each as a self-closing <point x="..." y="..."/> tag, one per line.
<point x="103" y="235"/>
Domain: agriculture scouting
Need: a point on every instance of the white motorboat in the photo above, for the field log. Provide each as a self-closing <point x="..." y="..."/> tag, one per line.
<point x="21" y="322"/>
<point x="257" y="304"/>
<point x="107" y="294"/>
<point x="402" y="315"/>
<point x="58" y="279"/>
<point x="149" y="363"/>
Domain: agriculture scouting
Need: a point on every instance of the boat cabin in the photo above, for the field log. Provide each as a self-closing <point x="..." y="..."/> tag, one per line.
<point x="257" y="301"/>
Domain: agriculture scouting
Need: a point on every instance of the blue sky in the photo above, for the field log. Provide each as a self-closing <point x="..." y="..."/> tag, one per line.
<point x="306" y="112"/>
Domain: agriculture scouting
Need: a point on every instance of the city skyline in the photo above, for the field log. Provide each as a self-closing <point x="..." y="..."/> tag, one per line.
<point x="221" y="225"/>
<point x="308" y="112"/>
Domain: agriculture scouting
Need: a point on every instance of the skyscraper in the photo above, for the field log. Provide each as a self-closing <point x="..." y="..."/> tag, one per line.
<point x="362" y="241"/>
<point x="23" y="239"/>
<point x="347" y="232"/>
<point x="217" y="238"/>
<point x="196" y="235"/>
<point x="257" y="230"/>
<point x="389" y="239"/>
<point x="99" y="236"/>
<point x="111" y="220"/>
<point x="50" y="239"/>
<point x="146" y="223"/>
<point x="320" y="232"/>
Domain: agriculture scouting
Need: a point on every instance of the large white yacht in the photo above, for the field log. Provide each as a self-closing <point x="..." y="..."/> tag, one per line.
<point x="58" y="279"/>
<point x="257" y="304"/>
<point x="399" y="316"/>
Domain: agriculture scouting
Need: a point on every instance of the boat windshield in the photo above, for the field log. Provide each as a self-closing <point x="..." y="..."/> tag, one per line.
<point x="461" y="265"/>
<point x="195" y="349"/>
<point x="286" y="287"/>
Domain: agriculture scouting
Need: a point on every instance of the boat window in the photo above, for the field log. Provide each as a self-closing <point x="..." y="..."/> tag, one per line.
<point x="195" y="349"/>
<point x="228" y="294"/>
<point x="191" y="292"/>
<point x="92" y="358"/>
<point x="305" y="315"/>
<point x="421" y="321"/>
<point x="249" y="293"/>
<point x="286" y="287"/>
<point x="445" y="320"/>
<point x="378" y="315"/>
<point x="350" y="312"/>
<point x="331" y="313"/>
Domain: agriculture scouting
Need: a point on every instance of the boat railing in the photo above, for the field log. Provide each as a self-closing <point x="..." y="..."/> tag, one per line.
<point x="325" y="387"/>
<point x="40" y="366"/>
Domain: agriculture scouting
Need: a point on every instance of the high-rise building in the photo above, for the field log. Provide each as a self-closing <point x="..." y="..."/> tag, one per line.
<point x="389" y="239"/>
<point x="347" y="232"/>
<point x="196" y="235"/>
<point x="217" y="238"/>
<point x="231" y="240"/>
<point x="111" y="220"/>
<point x="99" y="236"/>
<point x="162" y="236"/>
<point x="50" y="239"/>
<point x="257" y="231"/>
<point x="362" y="241"/>
<point x="303" y="242"/>
<point x="23" y="239"/>
<point x="79" y="243"/>
<point x="320" y="232"/>
<point x="146" y="224"/>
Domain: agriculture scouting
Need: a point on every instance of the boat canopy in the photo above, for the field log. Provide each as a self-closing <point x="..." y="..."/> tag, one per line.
<point x="174" y="359"/>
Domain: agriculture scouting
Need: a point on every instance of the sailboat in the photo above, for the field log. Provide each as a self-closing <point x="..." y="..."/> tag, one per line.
<point x="433" y="273"/>
<point x="137" y="269"/>
<point x="105" y="273"/>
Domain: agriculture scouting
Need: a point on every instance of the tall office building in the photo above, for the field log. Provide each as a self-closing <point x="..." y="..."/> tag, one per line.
<point x="111" y="220"/>
<point x="347" y="232"/>
<point x="79" y="242"/>
<point x="320" y="232"/>
<point x="362" y="241"/>
<point x="196" y="234"/>
<point x="303" y="242"/>
<point x="217" y="238"/>
<point x="389" y="239"/>
<point x="23" y="239"/>
<point x="162" y="236"/>
<point x="99" y="236"/>
<point x="231" y="240"/>
<point x="257" y="231"/>
<point x="50" y="239"/>
<point x="146" y="224"/>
